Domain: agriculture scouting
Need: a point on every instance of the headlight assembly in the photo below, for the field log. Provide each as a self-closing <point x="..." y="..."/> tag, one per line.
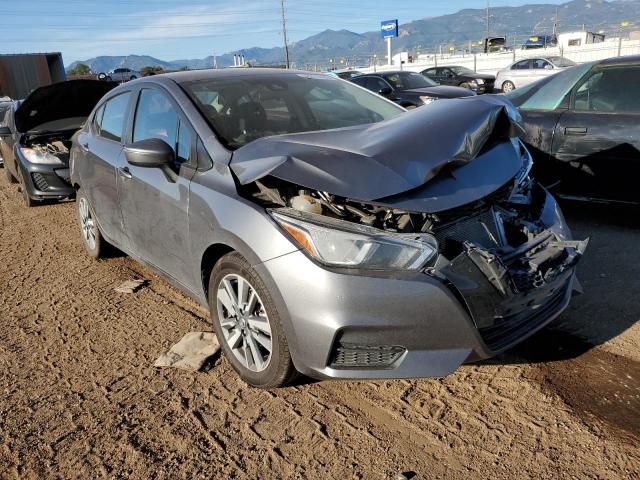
<point x="40" y="157"/>
<point x="479" y="81"/>
<point x="339" y="243"/>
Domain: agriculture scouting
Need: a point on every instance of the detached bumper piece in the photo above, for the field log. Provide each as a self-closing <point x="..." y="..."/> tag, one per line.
<point x="509" y="292"/>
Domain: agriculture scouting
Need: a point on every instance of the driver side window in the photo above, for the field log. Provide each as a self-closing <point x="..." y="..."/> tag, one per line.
<point x="608" y="91"/>
<point x="156" y="117"/>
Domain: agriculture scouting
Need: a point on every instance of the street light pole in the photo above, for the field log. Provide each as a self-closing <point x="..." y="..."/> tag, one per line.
<point x="284" y="35"/>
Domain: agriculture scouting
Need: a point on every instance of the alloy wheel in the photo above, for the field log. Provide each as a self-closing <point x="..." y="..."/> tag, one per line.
<point x="87" y="223"/>
<point x="244" y="321"/>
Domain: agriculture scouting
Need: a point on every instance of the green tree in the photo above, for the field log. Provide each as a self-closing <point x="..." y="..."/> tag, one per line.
<point x="80" y="69"/>
<point x="146" y="71"/>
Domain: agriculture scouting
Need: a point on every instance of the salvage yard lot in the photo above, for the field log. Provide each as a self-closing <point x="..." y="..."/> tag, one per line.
<point x="80" y="398"/>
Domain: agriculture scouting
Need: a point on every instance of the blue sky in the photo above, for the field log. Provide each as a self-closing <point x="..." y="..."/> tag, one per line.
<point x="175" y="29"/>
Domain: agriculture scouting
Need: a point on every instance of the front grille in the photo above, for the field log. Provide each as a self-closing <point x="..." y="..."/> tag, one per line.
<point x="351" y="356"/>
<point x="40" y="182"/>
<point x="480" y="229"/>
<point x="506" y="330"/>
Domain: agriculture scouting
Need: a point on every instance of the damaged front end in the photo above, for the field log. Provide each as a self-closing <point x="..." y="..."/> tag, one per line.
<point x="507" y="256"/>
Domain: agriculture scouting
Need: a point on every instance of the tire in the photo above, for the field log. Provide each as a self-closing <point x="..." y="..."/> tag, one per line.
<point x="133" y="77"/>
<point x="7" y="174"/>
<point x="94" y="243"/>
<point x="245" y="341"/>
<point x="108" y="78"/>
<point x="508" y="86"/>
<point x="26" y="199"/>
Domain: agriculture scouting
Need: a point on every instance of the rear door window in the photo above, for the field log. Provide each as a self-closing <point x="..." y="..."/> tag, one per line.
<point x="540" y="63"/>
<point x="113" y="117"/>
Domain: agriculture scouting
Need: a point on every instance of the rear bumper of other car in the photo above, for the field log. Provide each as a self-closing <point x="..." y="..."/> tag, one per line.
<point x="343" y="324"/>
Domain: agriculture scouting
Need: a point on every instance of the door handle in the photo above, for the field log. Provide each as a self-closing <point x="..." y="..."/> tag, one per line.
<point x="125" y="173"/>
<point x="575" y="130"/>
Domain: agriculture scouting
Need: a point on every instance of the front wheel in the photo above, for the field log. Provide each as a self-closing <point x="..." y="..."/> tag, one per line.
<point x="508" y="86"/>
<point x="94" y="244"/>
<point x="7" y="174"/>
<point x="27" y="200"/>
<point x="247" y="324"/>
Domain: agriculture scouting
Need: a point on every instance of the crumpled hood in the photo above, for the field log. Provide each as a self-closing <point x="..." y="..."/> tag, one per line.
<point x="70" y="99"/>
<point x="374" y="161"/>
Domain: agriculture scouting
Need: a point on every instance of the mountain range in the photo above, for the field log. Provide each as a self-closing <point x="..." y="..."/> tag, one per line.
<point x="461" y="28"/>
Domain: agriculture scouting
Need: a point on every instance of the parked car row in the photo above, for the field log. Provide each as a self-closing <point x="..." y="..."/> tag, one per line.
<point x="328" y="230"/>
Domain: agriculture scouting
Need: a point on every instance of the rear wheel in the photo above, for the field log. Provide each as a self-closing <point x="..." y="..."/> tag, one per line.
<point x="508" y="86"/>
<point x="247" y="324"/>
<point x="92" y="239"/>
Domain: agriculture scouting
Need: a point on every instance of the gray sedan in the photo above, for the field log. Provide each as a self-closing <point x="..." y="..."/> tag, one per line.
<point x="329" y="231"/>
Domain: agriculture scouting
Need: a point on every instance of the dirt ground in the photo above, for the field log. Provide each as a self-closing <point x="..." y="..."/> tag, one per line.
<point x="80" y="399"/>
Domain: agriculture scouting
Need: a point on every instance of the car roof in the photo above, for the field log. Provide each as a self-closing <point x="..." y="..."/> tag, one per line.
<point x="627" y="60"/>
<point x="195" y="75"/>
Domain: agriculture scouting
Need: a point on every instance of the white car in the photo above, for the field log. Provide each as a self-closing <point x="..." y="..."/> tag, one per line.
<point x="524" y="72"/>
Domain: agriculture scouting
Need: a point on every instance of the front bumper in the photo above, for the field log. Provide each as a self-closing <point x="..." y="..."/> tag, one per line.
<point x="343" y="324"/>
<point x="45" y="182"/>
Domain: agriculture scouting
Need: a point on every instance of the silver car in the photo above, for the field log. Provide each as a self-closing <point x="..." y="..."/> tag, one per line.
<point x="328" y="230"/>
<point x="524" y="72"/>
<point x="122" y="74"/>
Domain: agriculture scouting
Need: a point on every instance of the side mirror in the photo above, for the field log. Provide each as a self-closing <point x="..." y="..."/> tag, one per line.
<point x="450" y="75"/>
<point x="385" y="91"/>
<point x="152" y="153"/>
<point x="5" y="132"/>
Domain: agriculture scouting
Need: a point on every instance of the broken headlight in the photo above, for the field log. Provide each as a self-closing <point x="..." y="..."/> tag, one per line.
<point x="40" y="157"/>
<point x="344" y="244"/>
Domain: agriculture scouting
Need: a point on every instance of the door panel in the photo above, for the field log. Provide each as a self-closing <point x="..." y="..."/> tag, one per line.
<point x="155" y="207"/>
<point x="99" y="180"/>
<point x="600" y="153"/>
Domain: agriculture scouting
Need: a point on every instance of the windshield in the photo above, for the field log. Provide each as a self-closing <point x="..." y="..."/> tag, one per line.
<point x="409" y="80"/>
<point x="243" y="109"/>
<point x="462" y="71"/>
<point x="548" y="93"/>
<point x="562" y="62"/>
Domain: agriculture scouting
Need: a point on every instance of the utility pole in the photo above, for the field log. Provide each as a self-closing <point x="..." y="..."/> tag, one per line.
<point x="488" y="16"/>
<point x="555" y="24"/>
<point x="284" y="35"/>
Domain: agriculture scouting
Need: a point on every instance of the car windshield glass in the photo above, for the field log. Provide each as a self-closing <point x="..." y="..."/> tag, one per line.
<point x="562" y="62"/>
<point x="462" y="71"/>
<point x="547" y="94"/>
<point x="243" y="109"/>
<point x="409" y="80"/>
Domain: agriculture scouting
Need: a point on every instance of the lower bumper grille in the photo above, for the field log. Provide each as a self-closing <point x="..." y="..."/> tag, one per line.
<point x="352" y="356"/>
<point x="507" y="330"/>
<point x="480" y="229"/>
<point x="40" y="182"/>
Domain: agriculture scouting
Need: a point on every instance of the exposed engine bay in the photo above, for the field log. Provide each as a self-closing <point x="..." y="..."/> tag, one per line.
<point x="56" y="144"/>
<point x="502" y="234"/>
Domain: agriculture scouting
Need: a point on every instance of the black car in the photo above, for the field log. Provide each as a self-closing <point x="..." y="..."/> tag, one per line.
<point x="461" y="77"/>
<point x="408" y="89"/>
<point x="36" y="139"/>
<point x="582" y="130"/>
